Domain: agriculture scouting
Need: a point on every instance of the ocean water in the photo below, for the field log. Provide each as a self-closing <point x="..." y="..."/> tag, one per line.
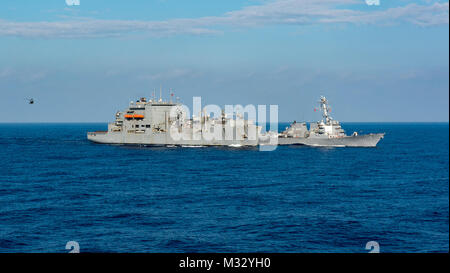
<point x="56" y="187"/>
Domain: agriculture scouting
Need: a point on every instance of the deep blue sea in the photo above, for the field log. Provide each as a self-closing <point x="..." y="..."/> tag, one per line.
<point x="56" y="187"/>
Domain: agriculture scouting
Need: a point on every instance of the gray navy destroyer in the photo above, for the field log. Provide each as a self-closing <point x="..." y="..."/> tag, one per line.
<point x="156" y="122"/>
<point x="326" y="132"/>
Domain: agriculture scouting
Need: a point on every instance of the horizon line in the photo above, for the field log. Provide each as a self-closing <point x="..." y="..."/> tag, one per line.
<point x="96" y="122"/>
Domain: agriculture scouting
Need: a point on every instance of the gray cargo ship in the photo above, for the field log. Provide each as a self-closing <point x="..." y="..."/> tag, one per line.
<point x="158" y="122"/>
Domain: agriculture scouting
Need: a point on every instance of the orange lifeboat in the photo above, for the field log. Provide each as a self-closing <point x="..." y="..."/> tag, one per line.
<point x="136" y="116"/>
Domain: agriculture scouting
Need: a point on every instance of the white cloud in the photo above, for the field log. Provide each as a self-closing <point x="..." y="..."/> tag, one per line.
<point x="170" y="74"/>
<point x="26" y="75"/>
<point x="95" y="28"/>
<point x="277" y="12"/>
<point x="6" y="72"/>
<point x="435" y="14"/>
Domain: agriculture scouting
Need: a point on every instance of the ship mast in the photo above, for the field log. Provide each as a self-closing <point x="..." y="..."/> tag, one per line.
<point x="325" y="109"/>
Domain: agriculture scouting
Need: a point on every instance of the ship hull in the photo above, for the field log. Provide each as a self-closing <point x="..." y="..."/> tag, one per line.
<point x="161" y="140"/>
<point x="369" y="140"/>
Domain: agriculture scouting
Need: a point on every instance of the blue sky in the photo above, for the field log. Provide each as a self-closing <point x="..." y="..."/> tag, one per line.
<point x="386" y="62"/>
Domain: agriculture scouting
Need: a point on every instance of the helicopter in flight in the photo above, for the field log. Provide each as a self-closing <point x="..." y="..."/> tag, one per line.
<point x="30" y="101"/>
